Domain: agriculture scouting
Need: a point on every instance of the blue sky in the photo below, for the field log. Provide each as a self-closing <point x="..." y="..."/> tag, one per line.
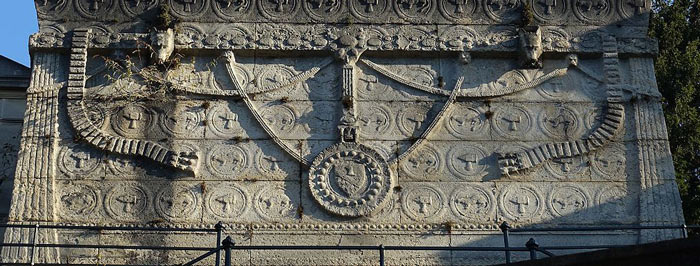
<point x="17" y="22"/>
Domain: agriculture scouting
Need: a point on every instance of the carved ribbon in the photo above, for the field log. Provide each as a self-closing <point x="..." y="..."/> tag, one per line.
<point x="232" y="93"/>
<point x="438" y="118"/>
<point x="230" y="60"/>
<point x="492" y="89"/>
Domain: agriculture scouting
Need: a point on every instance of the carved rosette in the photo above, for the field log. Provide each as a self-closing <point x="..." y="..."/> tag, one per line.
<point x="350" y="179"/>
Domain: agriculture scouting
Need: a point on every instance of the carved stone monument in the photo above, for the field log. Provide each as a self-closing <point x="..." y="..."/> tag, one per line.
<point x="341" y="122"/>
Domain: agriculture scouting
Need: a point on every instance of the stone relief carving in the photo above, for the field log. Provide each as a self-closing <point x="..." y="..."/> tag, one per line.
<point x="473" y="203"/>
<point x="127" y="203"/>
<point x="350" y="180"/>
<point x="521" y="202"/>
<point x="370" y="117"/>
<point x="280" y="121"/>
<point x="423" y="203"/>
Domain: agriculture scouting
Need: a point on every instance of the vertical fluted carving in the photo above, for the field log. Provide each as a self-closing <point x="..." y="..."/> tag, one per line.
<point x="33" y="199"/>
<point x="657" y="186"/>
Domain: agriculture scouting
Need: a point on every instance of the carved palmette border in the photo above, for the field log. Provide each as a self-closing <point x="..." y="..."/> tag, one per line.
<point x="436" y="12"/>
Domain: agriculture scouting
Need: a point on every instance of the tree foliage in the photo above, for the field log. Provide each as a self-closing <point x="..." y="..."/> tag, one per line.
<point x="676" y="25"/>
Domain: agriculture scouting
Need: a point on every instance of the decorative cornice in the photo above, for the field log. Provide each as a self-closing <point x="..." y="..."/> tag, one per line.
<point x="316" y="37"/>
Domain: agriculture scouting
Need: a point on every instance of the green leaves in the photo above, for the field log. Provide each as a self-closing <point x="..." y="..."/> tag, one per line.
<point x="676" y="24"/>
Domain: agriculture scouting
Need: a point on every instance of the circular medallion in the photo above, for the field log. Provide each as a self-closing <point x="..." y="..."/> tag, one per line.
<point x="593" y="11"/>
<point x="423" y="164"/>
<point x="133" y="120"/>
<point x="613" y="202"/>
<point x="467" y="123"/>
<point x="567" y="168"/>
<point x="124" y="166"/>
<point x="368" y="10"/>
<point x="467" y="162"/>
<point x="273" y="204"/>
<point x="177" y="203"/>
<point x="79" y="161"/>
<point x="278" y="9"/>
<point x="512" y="121"/>
<point x="127" y="203"/>
<point x="423" y="203"/>
<point x="280" y="118"/>
<point x="350" y="180"/>
<point x="458" y="10"/>
<point x="135" y="8"/>
<point x="224" y="122"/>
<point x="472" y="203"/>
<point x="96" y="114"/>
<point x="567" y="201"/>
<point x="370" y="88"/>
<point x="594" y="117"/>
<point x="47" y="8"/>
<point x="610" y="162"/>
<point x="412" y="119"/>
<point x="221" y="80"/>
<point x="412" y="10"/>
<point x="182" y="121"/>
<point x="270" y="166"/>
<point x="78" y="201"/>
<point x="227" y="201"/>
<point x="93" y="8"/>
<point x="375" y="122"/>
<point x="632" y="9"/>
<point x="227" y="161"/>
<point x="520" y="202"/>
<point x="324" y="10"/>
<point x="188" y="9"/>
<point x="556" y="88"/>
<point x="560" y="122"/>
<point x="274" y="81"/>
<point x="232" y="10"/>
<point x="503" y="11"/>
<point x="549" y="11"/>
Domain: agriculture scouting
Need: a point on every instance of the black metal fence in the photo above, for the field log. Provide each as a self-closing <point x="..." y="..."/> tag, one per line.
<point x="227" y="245"/>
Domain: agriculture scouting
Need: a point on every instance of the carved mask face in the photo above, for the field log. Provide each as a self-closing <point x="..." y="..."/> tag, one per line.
<point x="163" y="43"/>
<point x="530" y="47"/>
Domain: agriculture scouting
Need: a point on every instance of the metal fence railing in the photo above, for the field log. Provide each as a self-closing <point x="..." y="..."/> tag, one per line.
<point x="227" y="245"/>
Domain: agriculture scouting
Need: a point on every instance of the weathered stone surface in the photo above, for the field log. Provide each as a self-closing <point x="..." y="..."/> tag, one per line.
<point x="341" y="123"/>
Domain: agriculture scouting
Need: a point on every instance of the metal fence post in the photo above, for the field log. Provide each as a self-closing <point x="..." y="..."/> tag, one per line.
<point x="228" y="243"/>
<point x="504" y="228"/>
<point x="685" y="231"/>
<point x="34" y="238"/>
<point x="219" y="227"/>
<point x="381" y="255"/>
<point x="532" y="246"/>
